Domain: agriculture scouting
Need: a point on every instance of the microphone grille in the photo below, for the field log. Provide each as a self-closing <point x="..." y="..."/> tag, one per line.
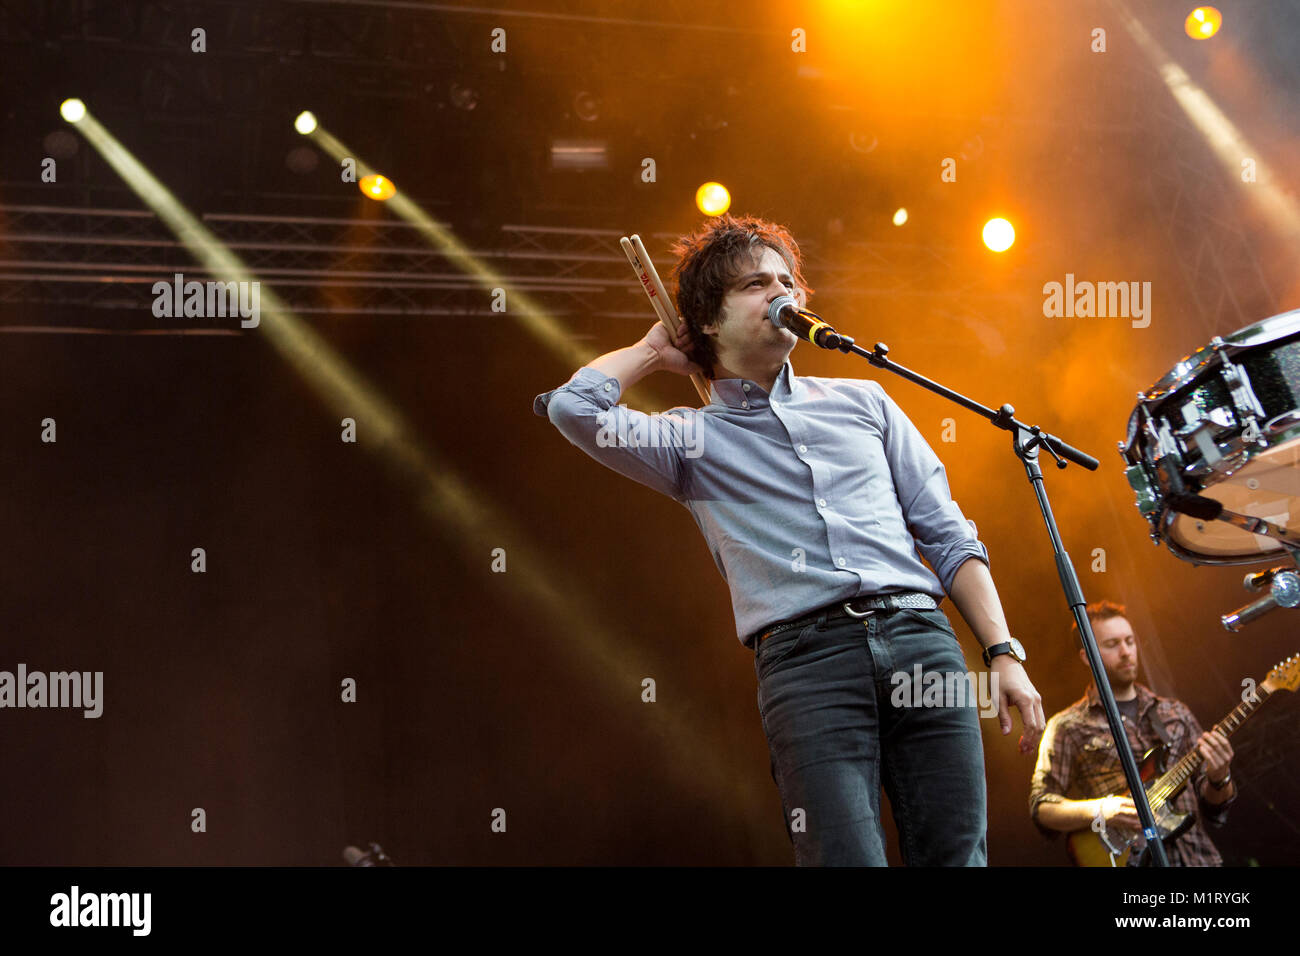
<point x="777" y="305"/>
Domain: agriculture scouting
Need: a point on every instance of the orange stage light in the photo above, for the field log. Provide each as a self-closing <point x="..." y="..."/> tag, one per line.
<point x="999" y="235"/>
<point x="377" y="187"/>
<point x="713" y="199"/>
<point x="1203" y="23"/>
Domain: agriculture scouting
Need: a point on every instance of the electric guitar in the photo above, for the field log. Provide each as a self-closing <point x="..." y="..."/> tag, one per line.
<point x="1103" y="845"/>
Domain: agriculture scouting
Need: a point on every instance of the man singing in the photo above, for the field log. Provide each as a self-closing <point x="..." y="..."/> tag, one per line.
<point x="815" y="495"/>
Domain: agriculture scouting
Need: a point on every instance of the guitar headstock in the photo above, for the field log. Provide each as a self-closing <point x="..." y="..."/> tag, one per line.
<point x="1285" y="676"/>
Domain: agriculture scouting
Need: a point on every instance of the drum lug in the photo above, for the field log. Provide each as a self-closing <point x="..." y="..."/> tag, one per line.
<point x="1249" y="410"/>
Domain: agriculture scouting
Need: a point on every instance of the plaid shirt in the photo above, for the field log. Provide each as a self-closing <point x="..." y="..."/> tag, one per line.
<point x="1077" y="761"/>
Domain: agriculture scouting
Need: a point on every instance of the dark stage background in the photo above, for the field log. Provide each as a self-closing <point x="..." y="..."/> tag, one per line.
<point x="521" y="690"/>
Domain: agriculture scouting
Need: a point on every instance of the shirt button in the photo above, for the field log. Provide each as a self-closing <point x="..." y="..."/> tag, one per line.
<point x="745" y="386"/>
<point x="744" y="404"/>
<point x="843" y="562"/>
<point x="822" y="502"/>
<point x="803" y="447"/>
<point x="608" y="386"/>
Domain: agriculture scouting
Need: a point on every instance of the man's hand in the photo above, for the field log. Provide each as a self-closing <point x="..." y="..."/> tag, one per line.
<point x="1015" y="690"/>
<point x="1119" y="811"/>
<point x="1216" y="750"/>
<point x="672" y="350"/>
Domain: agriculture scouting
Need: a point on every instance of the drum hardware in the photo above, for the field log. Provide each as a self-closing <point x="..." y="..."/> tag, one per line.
<point x="1238" y="381"/>
<point x="1282" y="422"/>
<point x="1207" y="509"/>
<point x="1225" y="421"/>
<point x="1218" y="458"/>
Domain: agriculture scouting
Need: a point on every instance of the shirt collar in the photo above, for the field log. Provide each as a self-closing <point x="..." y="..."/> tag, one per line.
<point x="744" y="393"/>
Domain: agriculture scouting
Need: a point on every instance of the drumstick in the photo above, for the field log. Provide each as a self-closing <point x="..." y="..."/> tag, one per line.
<point x="644" y="268"/>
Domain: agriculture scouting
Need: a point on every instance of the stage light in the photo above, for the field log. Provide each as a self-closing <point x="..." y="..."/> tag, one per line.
<point x="61" y="143"/>
<point x="305" y="123"/>
<point x="999" y="235"/>
<point x="302" y="160"/>
<point x="1203" y="23"/>
<point x="900" y="217"/>
<point x="74" y="111"/>
<point x="713" y="199"/>
<point x="863" y="141"/>
<point x="587" y="106"/>
<point x="377" y="187"/>
<point x="462" y="97"/>
<point x="1229" y="144"/>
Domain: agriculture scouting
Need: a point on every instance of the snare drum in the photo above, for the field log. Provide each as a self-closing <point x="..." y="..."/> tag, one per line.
<point x="1224" y="423"/>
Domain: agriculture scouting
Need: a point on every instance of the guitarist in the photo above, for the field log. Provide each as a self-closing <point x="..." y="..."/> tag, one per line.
<point x="1078" y="778"/>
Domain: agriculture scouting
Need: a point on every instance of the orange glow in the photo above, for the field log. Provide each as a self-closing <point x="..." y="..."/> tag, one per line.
<point x="377" y="187"/>
<point x="1203" y="23"/>
<point x="713" y="199"/>
<point x="999" y="235"/>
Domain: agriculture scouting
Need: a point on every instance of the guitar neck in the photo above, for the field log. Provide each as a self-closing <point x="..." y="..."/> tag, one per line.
<point x="1177" y="775"/>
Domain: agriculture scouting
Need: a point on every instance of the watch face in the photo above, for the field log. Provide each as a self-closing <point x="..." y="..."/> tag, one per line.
<point x="1018" y="649"/>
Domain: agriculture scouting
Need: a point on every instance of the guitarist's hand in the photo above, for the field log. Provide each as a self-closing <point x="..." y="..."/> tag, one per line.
<point x="1120" y="811"/>
<point x="1015" y="690"/>
<point x="1216" y="750"/>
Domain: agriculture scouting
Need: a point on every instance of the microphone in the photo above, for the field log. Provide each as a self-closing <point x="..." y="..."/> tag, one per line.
<point x="1283" y="591"/>
<point x="784" y="313"/>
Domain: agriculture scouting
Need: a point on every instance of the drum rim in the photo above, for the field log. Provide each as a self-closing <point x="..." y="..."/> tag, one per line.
<point x="1239" y="341"/>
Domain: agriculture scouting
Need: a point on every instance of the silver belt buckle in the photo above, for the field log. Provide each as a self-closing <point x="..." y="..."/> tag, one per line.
<point x="848" y="609"/>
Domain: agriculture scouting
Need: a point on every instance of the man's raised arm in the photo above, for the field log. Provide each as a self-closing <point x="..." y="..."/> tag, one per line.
<point x="646" y="448"/>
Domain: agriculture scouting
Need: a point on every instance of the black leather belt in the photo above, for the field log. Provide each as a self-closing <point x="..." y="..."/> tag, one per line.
<point x="857" y="608"/>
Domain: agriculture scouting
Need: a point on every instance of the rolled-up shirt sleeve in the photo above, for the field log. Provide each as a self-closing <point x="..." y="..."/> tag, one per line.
<point x="944" y="536"/>
<point x="649" y="449"/>
<point x="1051" y="773"/>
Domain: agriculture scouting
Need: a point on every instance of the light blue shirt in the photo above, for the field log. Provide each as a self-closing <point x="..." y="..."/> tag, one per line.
<point x="821" y="492"/>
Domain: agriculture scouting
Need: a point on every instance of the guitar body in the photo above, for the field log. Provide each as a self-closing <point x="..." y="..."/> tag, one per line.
<point x="1092" y="848"/>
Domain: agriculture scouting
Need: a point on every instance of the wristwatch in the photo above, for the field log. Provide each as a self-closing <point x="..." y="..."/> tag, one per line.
<point x="1012" y="647"/>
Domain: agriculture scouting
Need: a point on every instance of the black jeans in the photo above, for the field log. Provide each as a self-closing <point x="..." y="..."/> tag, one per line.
<point x="830" y="704"/>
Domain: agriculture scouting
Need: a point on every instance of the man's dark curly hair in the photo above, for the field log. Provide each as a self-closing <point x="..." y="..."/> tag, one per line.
<point x="715" y="256"/>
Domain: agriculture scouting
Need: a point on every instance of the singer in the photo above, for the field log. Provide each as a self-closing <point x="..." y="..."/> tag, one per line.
<point x="815" y="496"/>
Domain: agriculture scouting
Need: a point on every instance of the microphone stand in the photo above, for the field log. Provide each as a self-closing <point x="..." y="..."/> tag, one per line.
<point x="1026" y="441"/>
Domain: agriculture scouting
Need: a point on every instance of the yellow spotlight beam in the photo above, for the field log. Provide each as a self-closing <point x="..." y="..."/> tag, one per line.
<point x="521" y="306"/>
<point x="1279" y="209"/>
<point x="444" y="496"/>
